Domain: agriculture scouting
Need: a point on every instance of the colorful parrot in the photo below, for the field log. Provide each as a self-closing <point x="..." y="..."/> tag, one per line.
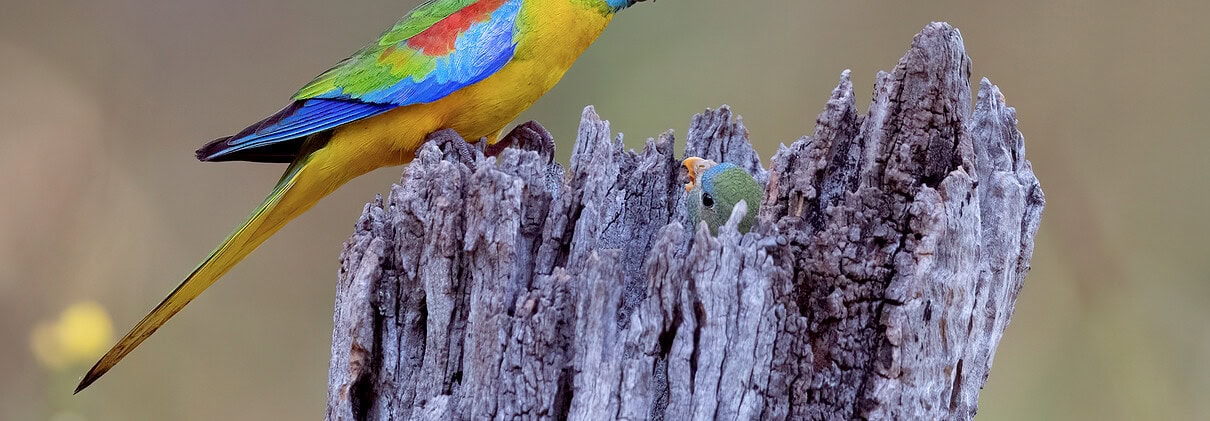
<point x="469" y="65"/>
<point x="713" y="191"/>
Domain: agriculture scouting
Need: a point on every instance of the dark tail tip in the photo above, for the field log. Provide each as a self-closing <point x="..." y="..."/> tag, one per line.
<point x="94" y="373"/>
<point x="208" y="151"/>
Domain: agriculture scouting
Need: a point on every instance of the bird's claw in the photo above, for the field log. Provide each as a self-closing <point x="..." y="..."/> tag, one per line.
<point x="454" y="147"/>
<point x="529" y="136"/>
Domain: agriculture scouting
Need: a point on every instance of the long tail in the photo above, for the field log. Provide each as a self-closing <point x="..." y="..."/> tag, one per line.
<point x="304" y="183"/>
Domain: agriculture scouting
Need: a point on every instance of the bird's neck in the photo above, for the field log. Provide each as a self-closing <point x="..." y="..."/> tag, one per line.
<point x="563" y="28"/>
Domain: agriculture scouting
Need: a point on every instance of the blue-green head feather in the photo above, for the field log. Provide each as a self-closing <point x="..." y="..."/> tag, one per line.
<point x="617" y="5"/>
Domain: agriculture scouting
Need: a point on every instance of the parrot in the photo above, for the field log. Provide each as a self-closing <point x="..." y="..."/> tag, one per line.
<point x="468" y="65"/>
<point x="713" y="191"/>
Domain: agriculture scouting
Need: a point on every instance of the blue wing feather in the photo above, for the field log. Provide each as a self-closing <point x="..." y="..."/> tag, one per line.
<point x="480" y="51"/>
<point x="299" y="120"/>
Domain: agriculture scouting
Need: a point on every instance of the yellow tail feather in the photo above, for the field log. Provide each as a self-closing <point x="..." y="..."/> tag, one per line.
<point x="304" y="183"/>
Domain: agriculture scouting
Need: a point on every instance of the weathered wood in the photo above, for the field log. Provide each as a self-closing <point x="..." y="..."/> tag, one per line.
<point x="888" y="256"/>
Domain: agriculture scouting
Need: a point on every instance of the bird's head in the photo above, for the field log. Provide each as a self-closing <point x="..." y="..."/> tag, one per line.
<point x="617" y="5"/>
<point x="715" y="189"/>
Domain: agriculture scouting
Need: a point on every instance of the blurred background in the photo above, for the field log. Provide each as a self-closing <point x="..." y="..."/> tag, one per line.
<point x="103" y="208"/>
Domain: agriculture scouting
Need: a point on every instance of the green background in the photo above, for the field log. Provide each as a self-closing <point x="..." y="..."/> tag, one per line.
<point x="103" y="102"/>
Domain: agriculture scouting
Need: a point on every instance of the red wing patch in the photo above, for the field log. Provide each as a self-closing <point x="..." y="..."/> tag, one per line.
<point x="439" y="39"/>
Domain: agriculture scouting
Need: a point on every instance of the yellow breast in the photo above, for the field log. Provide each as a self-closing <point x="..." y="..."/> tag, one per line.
<point x="551" y="35"/>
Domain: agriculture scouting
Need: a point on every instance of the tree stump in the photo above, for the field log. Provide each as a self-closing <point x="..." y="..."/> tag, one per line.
<point x="889" y="252"/>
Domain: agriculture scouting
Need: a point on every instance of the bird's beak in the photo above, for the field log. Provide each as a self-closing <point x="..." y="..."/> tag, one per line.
<point x="691" y="164"/>
<point x="696" y="166"/>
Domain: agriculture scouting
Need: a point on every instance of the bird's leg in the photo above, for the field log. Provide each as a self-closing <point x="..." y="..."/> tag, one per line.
<point x="455" y="148"/>
<point x="529" y="136"/>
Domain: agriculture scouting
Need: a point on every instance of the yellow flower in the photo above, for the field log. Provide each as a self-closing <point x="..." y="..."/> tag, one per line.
<point x="80" y="333"/>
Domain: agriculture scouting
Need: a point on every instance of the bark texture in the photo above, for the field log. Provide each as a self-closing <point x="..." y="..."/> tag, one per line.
<point x="889" y="253"/>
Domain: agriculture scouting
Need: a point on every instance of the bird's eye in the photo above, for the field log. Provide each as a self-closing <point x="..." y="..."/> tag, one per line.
<point x="707" y="201"/>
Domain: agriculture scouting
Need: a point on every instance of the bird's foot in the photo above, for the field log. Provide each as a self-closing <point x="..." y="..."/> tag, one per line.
<point x="455" y="148"/>
<point x="529" y="136"/>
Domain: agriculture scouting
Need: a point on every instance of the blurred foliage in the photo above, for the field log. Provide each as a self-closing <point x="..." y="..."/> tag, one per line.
<point x="76" y="338"/>
<point x="104" y="102"/>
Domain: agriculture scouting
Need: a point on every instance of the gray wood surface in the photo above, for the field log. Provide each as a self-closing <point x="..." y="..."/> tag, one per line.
<point x="882" y="275"/>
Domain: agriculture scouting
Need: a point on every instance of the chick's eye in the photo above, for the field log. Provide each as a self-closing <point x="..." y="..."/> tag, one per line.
<point x="707" y="200"/>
